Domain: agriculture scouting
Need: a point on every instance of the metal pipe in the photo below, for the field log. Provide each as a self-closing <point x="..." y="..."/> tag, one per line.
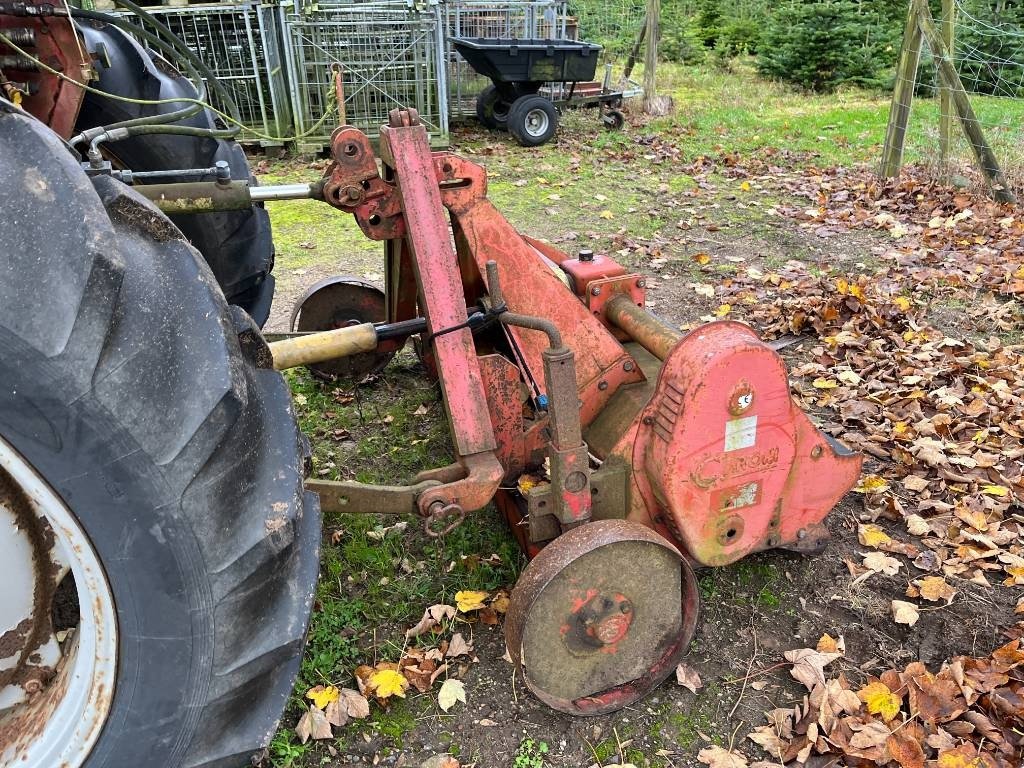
<point x="285" y="192"/>
<point x="327" y="345"/>
<point x="522" y="321"/>
<point x="198" y="196"/>
<point x="643" y="327"/>
<point x="207" y="196"/>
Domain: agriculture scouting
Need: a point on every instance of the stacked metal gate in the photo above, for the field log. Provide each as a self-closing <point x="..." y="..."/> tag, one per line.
<point x="390" y="55"/>
<point x="239" y="43"/>
<point x="279" y="58"/>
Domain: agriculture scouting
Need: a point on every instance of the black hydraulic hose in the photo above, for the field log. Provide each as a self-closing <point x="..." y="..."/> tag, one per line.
<point x="166" y="49"/>
<point x="186" y="52"/>
<point x="172" y="48"/>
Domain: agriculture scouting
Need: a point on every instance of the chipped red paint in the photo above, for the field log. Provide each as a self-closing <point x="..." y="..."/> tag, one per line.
<point x="727" y="458"/>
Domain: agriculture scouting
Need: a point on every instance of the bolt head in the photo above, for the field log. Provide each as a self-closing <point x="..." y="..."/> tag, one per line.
<point x="641" y="283"/>
<point x="595" y="291"/>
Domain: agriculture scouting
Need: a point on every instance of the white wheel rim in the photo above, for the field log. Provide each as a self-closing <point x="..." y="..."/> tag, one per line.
<point x="49" y="715"/>
<point x="537" y="122"/>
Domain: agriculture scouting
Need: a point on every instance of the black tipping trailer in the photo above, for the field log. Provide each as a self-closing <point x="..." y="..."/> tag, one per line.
<point x="520" y="71"/>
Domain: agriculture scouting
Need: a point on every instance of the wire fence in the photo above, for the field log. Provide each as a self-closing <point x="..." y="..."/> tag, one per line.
<point x="613" y="24"/>
<point x="278" y="58"/>
<point x="988" y="55"/>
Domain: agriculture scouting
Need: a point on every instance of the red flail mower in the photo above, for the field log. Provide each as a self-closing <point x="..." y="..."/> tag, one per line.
<point x="658" y="452"/>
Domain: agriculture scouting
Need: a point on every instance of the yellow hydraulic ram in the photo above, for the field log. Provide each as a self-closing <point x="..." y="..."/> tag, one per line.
<point x="306" y="348"/>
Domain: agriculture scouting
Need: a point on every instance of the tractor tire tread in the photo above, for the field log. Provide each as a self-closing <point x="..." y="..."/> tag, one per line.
<point x="125" y="321"/>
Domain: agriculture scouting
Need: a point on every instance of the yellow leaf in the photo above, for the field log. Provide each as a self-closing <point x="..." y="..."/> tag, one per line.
<point x="871" y="484"/>
<point x="470" y="600"/>
<point x="935" y="588"/>
<point x="995" y="490"/>
<point x="880" y="700"/>
<point x="452" y="690"/>
<point x="843" y="285"/>
<point x="849" y="377"/>
<point x="387" y="682"/>
<point x="745" y="186"/>
<point x="606" y="214"/>
<point x="828" y="644"/>
<point x="902" y="302"/>
<point x="723" y="310"/>
<point x="857" y="292"/>
<point x="872" y="536"/>
<point x="701" y="258"/>
<point x="822" y="383"/>
<point x="322" y="696"/>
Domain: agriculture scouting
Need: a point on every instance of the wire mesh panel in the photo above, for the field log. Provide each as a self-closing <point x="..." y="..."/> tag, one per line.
<point x="239" y="43"/>
<point x="611" y="23"/>
<point x="390" y="56"/>
<point x="493" y="18"/>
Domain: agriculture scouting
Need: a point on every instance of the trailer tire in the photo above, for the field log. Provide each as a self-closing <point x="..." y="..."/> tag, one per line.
<point x="613" y="120"/>
<point x="533" y="120"/>
<point x="236" y="244"/>
<point x="148" y="409"/>
<point x="492" y="109"/>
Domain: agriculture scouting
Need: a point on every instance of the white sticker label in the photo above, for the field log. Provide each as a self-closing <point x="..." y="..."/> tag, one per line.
<point x="740" y="433"/>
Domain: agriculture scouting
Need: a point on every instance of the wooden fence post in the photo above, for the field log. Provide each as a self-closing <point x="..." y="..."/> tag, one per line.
<point x="653" y="22"/>
<point x="983" y="153"/>
<point x="945" y="103"/>
<point x="902" y="96"/>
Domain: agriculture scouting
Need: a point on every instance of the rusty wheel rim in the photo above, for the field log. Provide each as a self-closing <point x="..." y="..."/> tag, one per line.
<point x="56" y="686"/>
<point x="601" y="617"/>
<point x="337" y="302"/>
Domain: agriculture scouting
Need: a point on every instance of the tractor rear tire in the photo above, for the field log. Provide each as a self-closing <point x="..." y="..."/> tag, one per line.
<point x="236" y="244"/>
<point x="149" y="411"/>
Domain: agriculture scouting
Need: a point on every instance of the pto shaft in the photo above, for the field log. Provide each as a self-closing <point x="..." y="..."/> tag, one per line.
<point x="643" y="327"/>
<point x="341" y="342"/>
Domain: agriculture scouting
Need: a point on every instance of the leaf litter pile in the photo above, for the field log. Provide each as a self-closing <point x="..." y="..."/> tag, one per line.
<point x="939" y="416"/>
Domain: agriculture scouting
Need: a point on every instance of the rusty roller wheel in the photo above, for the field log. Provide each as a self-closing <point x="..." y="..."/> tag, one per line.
<point x="601" y="616"/>
<point x="337" y="302"/>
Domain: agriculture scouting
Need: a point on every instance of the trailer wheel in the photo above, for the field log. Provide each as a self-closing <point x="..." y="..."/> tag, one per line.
<point x="492" y="109"/>
<point x="158" y="554"/>
<point x="532" y="120"/>
<point x="236" y="244"/>
<point x="613" y="120"/>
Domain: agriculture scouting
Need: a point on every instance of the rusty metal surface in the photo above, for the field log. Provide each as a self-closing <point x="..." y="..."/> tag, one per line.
<point x="641" y="326"/>
<point x="583" y="270"/>
<point x="609" y="497"/>
<point x="22" y="641"/>
<point x="442" y="299"/>
<point x="342" y="301"/>
<point x="505" y="400"/>
<point x="531" y="288"/>
<point x="725" y="456"/>
<point x="65" y="685"/>
<point x="349" y="496"/>
<point x="54" y="40"/>
<point x="601" y="616"/>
